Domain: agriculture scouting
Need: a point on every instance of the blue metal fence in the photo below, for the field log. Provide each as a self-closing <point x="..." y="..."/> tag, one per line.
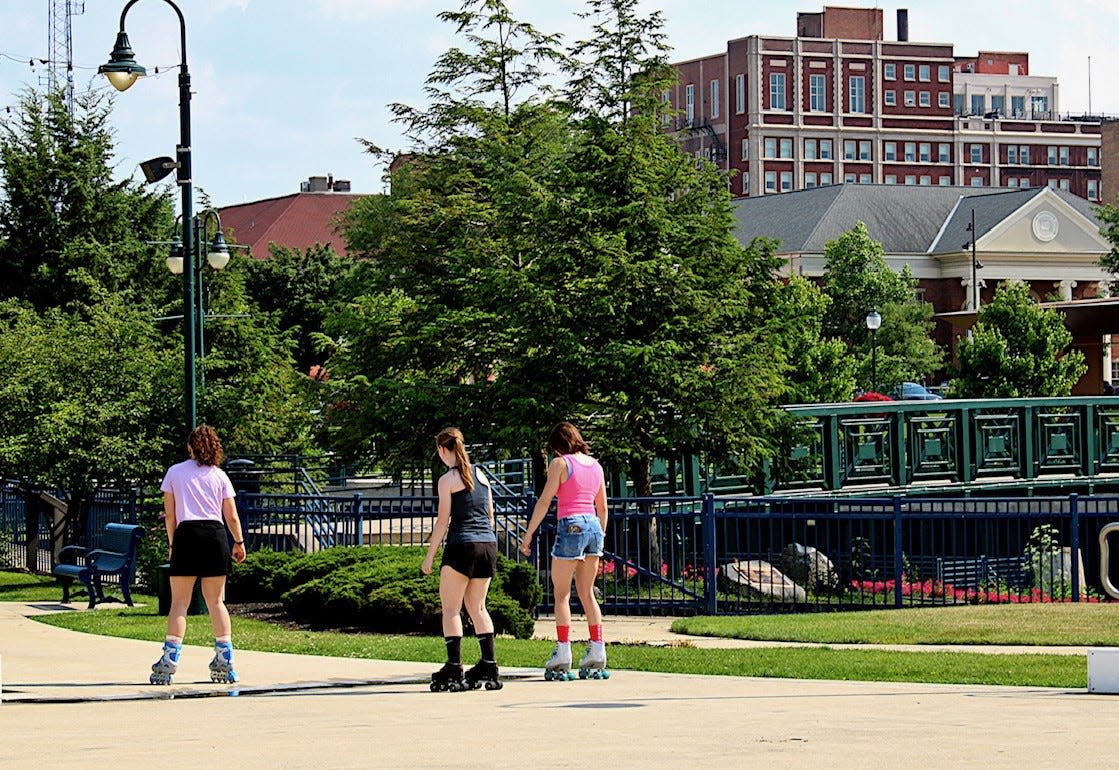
<point x="727" y="555"/>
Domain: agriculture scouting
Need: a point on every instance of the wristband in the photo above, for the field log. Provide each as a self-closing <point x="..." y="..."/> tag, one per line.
<point x="238" y="542"/>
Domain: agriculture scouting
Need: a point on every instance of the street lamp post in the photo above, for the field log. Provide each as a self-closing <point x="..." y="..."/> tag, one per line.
<point x="217" y="256"/>
<point x="122" y="70"/>
<point x="873" y="321"/>
<point x="976" y="265"/>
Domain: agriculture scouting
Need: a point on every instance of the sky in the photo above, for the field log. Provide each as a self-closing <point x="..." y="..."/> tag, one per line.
<point x="284" y="89"/>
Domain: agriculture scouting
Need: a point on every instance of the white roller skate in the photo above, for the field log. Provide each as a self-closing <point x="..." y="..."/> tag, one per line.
<point x="593" y="664"/>
<point x="221" y="667"/>
<point x="164" y="668"/>
<point x="558" y="666"/>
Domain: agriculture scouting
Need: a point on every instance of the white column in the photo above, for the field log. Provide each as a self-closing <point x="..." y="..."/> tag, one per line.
<point x="1064" y="289"/>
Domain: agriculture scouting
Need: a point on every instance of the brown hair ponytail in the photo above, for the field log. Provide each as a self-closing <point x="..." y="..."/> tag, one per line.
<point x="205" y="447"/>
<point x="452" y="440"/>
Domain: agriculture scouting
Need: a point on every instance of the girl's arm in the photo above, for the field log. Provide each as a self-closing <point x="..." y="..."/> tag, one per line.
<point x="557" y="472"/>
<point x="442" y="520"/>
<point x="169" y="515"/>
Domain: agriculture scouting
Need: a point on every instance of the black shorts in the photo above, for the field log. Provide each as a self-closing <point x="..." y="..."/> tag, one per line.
<point x="475" y="560"/>
<point x="200" y="549"/>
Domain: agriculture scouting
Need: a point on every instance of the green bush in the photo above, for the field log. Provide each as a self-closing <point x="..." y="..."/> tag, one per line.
<point x="520" y="582"/>
<point x="305" y="567"/>
<point x="152" y="549"/>
<point x="509" y="617"/>
<point x="253" y="580"/>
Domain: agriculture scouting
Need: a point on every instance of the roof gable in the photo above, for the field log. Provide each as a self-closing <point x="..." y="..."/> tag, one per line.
<point x="297" y="221"/>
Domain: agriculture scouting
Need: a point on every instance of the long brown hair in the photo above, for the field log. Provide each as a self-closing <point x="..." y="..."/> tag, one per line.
<point x="451" y="439"/>
<point x="565" y="439"/>
<point x="205" y="447"/>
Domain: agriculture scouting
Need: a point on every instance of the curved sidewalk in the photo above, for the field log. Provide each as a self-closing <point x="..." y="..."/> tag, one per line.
<point x="370" y="713"/>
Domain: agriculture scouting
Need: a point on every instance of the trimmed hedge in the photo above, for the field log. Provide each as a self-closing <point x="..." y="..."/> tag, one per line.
<point x="377" y="588"/>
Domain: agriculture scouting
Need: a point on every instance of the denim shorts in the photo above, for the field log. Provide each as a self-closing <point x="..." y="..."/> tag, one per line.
<point x="577" y="536"/>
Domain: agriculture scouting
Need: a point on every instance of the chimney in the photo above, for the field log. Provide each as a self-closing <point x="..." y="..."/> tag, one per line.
<point x="903" y="25"/>
<point x="341" y="185"/>
<point x="317" y="184"/>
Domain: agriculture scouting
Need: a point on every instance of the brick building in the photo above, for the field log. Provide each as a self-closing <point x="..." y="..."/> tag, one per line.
<point x="838" y="103"/>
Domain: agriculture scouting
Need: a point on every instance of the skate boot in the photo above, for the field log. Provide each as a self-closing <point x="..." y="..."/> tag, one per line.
<point x="558" y="666"/>
<point x="448" y="678"/>
<point x="164" y="668"/>
<point x="593" y="664"/>
<point x="221" y="667"/>
<point x="484" y="672"/>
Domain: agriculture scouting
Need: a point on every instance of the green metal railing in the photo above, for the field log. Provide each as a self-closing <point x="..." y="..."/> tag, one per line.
<point x="968" y="444"/>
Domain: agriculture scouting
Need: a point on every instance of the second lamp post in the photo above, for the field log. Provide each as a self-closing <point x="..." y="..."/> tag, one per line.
<point x="873" y="321"/>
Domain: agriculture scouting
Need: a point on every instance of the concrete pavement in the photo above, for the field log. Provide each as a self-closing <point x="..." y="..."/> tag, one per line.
<point x="94" y="706"/>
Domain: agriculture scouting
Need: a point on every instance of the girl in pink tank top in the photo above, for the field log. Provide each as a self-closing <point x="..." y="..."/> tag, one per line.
<point x="577" y="482"/>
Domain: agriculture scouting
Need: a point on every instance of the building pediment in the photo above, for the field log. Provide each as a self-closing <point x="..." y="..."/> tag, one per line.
<point x="1045" y="225"/>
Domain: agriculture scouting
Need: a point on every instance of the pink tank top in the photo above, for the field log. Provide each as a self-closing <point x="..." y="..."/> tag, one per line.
<point x="576" y="495"/>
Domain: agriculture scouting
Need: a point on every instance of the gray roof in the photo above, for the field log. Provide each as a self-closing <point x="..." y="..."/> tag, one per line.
<point x="905" y="219"/>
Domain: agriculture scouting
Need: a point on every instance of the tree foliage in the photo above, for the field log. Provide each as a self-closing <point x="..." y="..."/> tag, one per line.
<point x="1109" y="217"/>
<point x="1017" y="349"/>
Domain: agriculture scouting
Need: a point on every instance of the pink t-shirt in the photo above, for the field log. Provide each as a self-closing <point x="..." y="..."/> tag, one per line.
<point x="199" y="490"/>
<point x="576" y="495"/>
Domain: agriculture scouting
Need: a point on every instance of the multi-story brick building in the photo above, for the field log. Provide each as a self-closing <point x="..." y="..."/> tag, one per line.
<point x="837" y="103"/>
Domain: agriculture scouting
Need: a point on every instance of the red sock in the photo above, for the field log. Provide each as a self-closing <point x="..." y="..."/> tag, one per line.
<point x="563" y="634"/>
<point x="596" y="632"/>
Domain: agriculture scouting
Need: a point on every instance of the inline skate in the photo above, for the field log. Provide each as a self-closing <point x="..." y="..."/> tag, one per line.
<point x="221" y="667"/>
<point x="164" y="668"/>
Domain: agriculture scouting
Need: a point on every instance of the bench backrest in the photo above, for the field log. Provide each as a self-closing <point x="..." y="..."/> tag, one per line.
<point x="122" y="538"/>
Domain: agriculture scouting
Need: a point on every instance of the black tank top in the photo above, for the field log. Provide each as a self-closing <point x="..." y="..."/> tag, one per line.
<point x="470" y="521"/>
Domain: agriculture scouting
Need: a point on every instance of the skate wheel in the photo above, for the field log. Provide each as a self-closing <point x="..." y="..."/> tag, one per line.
<point x="583" y="673"/>
<point x="491" y="685"/>
<point x="434" y="687"/>
<point x="605" y="674"/>
<point x="547" y="676"/>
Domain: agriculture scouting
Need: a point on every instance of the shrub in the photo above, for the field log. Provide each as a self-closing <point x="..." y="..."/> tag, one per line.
<point x="305" y="567"/>
<point x="253" y="579"/>
<point x="519" y="581"/>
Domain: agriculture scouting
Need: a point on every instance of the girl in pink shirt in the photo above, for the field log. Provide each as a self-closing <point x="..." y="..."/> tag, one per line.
<point x="577" y="482"/>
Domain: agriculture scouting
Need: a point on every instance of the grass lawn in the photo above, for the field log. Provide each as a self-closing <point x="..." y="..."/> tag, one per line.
<point x="25" y="587"/>
<point x="1001" y="624"/>
<point x="799" y="663"/>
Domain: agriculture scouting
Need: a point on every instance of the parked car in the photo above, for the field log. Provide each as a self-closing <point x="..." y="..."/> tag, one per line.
<point x="912" y="391"/>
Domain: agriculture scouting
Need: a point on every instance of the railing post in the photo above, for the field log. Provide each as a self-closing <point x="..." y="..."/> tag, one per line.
<point x="1030" y="456"/>
<point x="132" y="505"/>
<point x="1074" y="511"/>
<point x="710" y="569"/>
<point x="1090" y="443"/>
<point x="968" y="446"/>
<point x="359" y="522"/>
<point x="898" y="449"/>
<point x="833" y="472"/>
<point x="897" y="552"/>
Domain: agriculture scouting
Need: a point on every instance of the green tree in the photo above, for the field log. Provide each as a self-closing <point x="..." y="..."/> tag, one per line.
<point x="66" y="228"/>
<point x="858" y="280"/>
<point x="1109" y="217"/>
<point x="1017" y="349"/>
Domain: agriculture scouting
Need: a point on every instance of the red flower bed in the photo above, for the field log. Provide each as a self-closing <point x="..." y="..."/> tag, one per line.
<point x="934" y="589"/>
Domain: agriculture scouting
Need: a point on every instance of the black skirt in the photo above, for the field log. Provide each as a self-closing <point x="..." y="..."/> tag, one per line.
<point x="200" y="549"/>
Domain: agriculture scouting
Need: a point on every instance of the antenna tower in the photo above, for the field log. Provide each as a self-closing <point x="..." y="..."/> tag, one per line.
<point x="61" y="71"/>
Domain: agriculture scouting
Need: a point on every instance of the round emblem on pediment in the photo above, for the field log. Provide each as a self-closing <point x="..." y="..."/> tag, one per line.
<point x="1045" y="226"/>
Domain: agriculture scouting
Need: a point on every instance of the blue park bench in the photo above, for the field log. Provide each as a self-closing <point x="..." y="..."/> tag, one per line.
<point x="116" y="556"/>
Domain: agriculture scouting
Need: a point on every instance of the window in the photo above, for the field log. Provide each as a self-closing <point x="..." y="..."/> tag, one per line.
<point x="911" y="152"/>
<point x="943" y="100"/>
<point x="864" y="149"/>
<point x="857" y="101"/>
<point x="769" y="147"/>
<point x="924" y="99"/>
<point x="1062" y="155"/>
<point x="1012" y="153"/>
<point x="770" y="181"/>
<point x="924" y="152"/>
<point x="889" y="71"/>
<point x="1039" y="105"/>
<point x="978" y="102"/>
<point x="746" y="149"/>
<point x="714" y="98"/>
<point x="945" y="181"/>
<point x="890" y="151"/>
<point x="1093" y="190"/>
<point x="926" y="180"/>
<point x="689" y="103"/>
<point x="745" y="184"/>
<point x="944" y="153"/>
<point x="943" y="73"/>
<point x="998" y="104"/>
<point x="1024" y="154"/>
<point x="976" y="153"/>
<point x="889" y="98"/>
<point x="809" y="180"/>
<point x="810" y="149"/>
<point x="786" y="148"/>
<point x="864" y="178"/>
<point x="777" y="91"/>
<point x="910" y="179"/>
<point x="825" y="178"/>
<point x="1052" y="184"/>
<point x="666" y="101"/>
<point x="958" y="104"/>
<point x="891" y="179"/>
<point x="849" y="179"/>
<point x="1051" y="158"/>
<point x="1012" y="182"/>
<point x="817" y="94"/>
<point x="910" y="72"/>
<point x="910" y="98"/>
<point x="848" y="149"/>
<point x="1093" y="157"/>
<point x="924" y="73"/>
<point x="977" y="181"/>
<point x="1018" y="106"/>
<point x="739" y="93"/>
<point x="1064" y="185"/>
<point x="786" y="181"/>
<point x="825" y="149"/>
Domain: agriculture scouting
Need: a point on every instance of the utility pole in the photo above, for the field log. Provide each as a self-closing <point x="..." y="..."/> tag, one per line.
<point x="61" y="70"/>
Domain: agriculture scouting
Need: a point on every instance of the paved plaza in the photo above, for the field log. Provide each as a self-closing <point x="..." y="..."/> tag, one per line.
<point x="73" y="699"/>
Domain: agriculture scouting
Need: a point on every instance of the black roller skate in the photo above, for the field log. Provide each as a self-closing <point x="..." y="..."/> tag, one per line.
<point x="484" y="672"/>
<point x="448" y="678"/>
